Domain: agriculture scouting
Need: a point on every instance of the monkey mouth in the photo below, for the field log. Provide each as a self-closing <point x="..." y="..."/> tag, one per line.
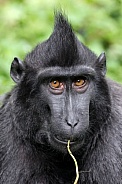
<point x="64" y="141"/>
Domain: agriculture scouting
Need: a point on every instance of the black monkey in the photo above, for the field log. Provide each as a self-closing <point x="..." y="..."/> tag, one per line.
<point x="61" y="94"/>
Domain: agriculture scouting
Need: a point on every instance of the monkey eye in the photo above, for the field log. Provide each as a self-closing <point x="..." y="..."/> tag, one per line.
<point x="56" y="86"/>
<point x="79" y="83"/>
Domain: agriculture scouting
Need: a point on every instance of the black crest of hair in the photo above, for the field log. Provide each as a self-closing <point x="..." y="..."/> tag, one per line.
<point x="62" y="48"/>
<point x="61" y="94"/>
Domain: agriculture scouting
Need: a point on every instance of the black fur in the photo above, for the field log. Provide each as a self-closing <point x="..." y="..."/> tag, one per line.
<point x="30" y="116"/>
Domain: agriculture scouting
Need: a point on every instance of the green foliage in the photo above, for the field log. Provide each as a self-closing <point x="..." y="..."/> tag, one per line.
<point x="97" y="23"/>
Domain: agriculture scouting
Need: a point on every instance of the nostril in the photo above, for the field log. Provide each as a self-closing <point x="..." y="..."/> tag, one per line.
<point x="72" y="123"/>
<point x="75" y="124"/>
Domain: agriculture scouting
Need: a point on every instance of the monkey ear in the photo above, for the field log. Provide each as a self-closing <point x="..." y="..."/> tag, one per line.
<point x="17" y="70"/>
<point x="101" y="63"/>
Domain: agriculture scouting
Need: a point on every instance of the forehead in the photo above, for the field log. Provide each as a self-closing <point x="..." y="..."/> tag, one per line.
<point x="66" y="71"/>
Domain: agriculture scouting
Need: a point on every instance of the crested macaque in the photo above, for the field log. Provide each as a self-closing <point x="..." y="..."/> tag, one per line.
<point x="61" y="94"/>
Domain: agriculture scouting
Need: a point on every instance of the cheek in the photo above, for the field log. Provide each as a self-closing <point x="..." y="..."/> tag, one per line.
<point x="83" y="116"/>
<point x="82" y="106"/>
<point x="57" y="108"/>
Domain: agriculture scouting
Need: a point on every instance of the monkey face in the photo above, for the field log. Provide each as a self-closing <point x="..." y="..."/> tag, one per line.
<point x="67" y="96"/>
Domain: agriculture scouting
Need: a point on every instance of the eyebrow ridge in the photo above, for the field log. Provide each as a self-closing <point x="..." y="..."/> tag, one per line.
<point x="69" y="71"/>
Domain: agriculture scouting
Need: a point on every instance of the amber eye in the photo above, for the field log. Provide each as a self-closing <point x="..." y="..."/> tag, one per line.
<point x="79" y="82"/>
<point x="55" y="84"/>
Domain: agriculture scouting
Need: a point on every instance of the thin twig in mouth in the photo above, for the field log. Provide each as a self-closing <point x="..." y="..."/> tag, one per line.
<point x="75" y="161"/>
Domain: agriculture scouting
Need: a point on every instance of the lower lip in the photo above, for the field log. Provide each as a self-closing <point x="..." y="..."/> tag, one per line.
<point x="64" y="142"/>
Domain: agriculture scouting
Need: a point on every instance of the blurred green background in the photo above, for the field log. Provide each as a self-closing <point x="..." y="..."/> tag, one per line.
<point x="24" y="23"/>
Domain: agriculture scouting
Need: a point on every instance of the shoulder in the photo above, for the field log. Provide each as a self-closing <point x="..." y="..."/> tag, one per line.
<point x="115" y="88"/>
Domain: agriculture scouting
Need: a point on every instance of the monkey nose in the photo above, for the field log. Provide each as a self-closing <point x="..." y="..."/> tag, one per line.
<point x="72" y="123"/>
